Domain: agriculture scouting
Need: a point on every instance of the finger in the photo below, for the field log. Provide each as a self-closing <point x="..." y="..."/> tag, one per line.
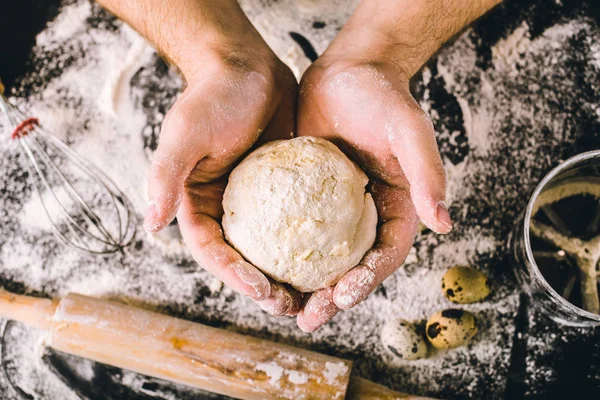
<point x="204" y="238"/>
<point x="394" y="240"/>
<point x="282" y="301"/>
<point x="207" y="199"/>
<point x="180" y="148"/>
<point x="317" y="311"/>
<point x="413" y="143"/>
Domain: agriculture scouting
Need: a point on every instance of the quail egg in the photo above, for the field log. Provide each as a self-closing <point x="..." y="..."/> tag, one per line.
<point x="450" y="328"/>
<point x="401" y="339"/>
<point x="465" y="285"/>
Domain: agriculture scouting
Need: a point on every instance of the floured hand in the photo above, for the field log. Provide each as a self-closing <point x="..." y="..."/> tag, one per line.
<point x="367" y="110"/>
<point x="216" y="120"/>
<point x="238" y="93"/>
<point x="357" y="95"/>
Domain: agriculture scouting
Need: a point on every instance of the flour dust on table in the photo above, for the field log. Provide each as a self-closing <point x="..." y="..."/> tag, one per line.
<point x="509" y="98"/>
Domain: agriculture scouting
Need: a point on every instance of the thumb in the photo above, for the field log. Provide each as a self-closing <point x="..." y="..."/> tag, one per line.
<point x="415" y="147"/>
<point x="179" y="150"/>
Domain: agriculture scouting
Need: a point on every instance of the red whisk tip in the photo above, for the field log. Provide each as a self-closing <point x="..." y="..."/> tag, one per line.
<point x="25" y="127"/>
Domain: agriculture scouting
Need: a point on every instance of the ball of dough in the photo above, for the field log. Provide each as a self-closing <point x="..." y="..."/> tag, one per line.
<point x="401" y="339"/>
<point x="465" y="285"/>
<point x="450" y="328"/>
<point x="297" y="209"/>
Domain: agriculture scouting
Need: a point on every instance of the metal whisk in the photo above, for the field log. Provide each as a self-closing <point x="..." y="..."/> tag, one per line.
<point x="85" y="207"/>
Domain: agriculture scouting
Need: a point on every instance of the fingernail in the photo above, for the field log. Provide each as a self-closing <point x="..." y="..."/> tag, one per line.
<point x="279" y="303"/>
<point x="255" y="279"/>
<point x="150" y="221"/>
<point x="443" y="217"/>
<point x="288" y="302"/>
<point x="309" y="321"/>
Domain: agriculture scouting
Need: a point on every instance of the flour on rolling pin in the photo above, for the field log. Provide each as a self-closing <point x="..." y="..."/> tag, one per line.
<point x="178" y="350"/>
<point x="275" y="372"/>
<point x="192" y="354"/>
<point x="184" y="352"/>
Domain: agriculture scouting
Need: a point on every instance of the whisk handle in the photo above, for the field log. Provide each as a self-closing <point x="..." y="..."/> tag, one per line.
<point x="29" y="310"/>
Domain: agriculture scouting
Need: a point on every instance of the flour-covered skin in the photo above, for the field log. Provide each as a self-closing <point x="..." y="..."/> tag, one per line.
<point x="297" y="210"/>
<point x="238" y="92"/>
<point x="357" y="94"/>
<point x="217" y="119"/>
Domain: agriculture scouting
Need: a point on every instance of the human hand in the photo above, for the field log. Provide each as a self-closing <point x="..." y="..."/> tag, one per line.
<point x="238" y="94"/>
<point x="366" y="108"/>
<point x="357" y="95"/>
<point x="216" y="120"/>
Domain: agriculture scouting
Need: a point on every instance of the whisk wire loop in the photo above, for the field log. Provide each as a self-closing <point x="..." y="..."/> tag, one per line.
<point x="74" y="222"/>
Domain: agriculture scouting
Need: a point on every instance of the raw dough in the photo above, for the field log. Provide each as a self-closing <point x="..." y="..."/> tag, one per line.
<point x="297" y="209"/>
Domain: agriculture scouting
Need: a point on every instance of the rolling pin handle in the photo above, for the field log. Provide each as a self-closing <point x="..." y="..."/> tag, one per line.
<point x="32" y="311"/>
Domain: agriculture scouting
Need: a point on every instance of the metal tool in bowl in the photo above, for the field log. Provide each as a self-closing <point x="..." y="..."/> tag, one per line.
<point x="556" y="243"/>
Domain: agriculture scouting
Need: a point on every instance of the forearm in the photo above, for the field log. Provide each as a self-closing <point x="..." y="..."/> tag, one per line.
<point x="407" y="32"/>
<point x="188" y="31"/>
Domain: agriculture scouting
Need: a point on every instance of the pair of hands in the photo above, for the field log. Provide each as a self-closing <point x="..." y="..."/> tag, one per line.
<point x="239" y="94"/>
<point x="363" y="106"/>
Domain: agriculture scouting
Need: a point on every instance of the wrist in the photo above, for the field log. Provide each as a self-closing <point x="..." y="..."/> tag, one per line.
<point x="200" y="58"/>
<point x="404" y="33"/>
<point x="219" y="42"/>
<point x="194" y="34"/>
<point x="366" y="46"/>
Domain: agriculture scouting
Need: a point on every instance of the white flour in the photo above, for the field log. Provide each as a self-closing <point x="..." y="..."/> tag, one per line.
<point x="106" y="93"/>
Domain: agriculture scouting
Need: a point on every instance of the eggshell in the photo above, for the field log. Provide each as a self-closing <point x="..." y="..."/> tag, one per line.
<point x="450" y="328"/>
<point x="402" y="340"/>
<point x="465" y="285"/>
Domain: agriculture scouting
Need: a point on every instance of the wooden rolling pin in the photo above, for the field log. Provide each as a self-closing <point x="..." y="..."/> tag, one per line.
<point x="192" y="354"/>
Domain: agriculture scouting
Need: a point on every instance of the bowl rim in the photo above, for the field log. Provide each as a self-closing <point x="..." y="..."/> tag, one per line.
<point x="534" y="269"/>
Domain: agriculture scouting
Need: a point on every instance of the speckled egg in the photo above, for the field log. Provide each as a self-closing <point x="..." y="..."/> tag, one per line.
<point x="450" y="328"/>
<point x="401" y="339"/>
<point x="465" y="285"/>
